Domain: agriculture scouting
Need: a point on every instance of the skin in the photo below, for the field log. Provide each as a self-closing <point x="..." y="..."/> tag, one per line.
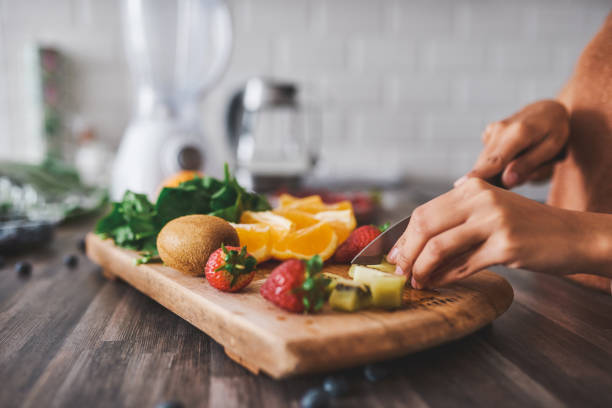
<point x="476" y="225"/>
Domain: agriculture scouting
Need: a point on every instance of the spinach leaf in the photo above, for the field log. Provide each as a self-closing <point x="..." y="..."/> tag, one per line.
<point x="134" y="222"/>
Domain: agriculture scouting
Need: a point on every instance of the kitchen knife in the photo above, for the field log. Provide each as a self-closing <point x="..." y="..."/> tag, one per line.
<point x="382" y="244"/>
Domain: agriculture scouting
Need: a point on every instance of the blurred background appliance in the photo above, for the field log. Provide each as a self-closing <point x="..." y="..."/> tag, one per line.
<point x="273" y="133"/>
<point x="177" y="50"/>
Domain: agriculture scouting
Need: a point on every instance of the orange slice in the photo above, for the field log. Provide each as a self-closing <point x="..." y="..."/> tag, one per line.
<point x="257" y="238"/>
<point x="342" y="221"/>
<point x="310" y="204"/>
<point x="300" y="219"/>
<point x="280" y="226"/>
<point x="318" y="239"/>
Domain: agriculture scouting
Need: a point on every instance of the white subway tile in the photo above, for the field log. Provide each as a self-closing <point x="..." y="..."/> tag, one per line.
<point x="382" y="55"/>
<point x="420" y="91"/>
<point x="451" y="56"/>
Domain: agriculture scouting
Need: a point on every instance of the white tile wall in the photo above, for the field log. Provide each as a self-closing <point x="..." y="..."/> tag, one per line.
<point x="407" y="83"/>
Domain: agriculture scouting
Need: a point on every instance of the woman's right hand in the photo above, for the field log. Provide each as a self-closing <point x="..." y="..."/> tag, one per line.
<point x="523" y="147"/>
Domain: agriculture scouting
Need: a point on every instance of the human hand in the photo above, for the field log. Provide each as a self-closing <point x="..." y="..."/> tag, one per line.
<point x="524" y="146"/>
<point x="477" y="225"/>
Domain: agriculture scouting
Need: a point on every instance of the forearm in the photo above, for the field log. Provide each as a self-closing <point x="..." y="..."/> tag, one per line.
<point x="594" y="250"/>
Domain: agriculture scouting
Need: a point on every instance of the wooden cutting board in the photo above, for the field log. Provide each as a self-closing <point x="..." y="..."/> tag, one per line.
<point x="262" y="337"/>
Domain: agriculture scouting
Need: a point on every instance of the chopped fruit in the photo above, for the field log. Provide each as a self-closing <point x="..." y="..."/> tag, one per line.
<point x="358" y="240"/>
<point x="230" y="268"/>
<point x="349" y="295"/>
<point x="280" y="226"/>
<point x="319" y="239"/>
<point x="256" y="238"/>
<point x="300" y="219"/>
<point x="296" y="286"/>
<point x="384" y="266"/>
<point x="342" y="221"/>
<point x="386" y="288"/>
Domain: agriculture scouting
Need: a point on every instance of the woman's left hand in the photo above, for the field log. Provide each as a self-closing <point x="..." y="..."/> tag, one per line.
<point x="477" y="225"/>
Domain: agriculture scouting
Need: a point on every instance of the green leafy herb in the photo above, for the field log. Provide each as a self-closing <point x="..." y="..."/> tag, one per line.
<point x="134" y="222"/>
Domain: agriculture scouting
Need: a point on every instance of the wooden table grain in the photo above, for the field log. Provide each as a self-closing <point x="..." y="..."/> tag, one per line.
<point x="71" y="338"/>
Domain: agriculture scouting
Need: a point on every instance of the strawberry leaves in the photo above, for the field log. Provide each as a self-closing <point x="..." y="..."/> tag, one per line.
<point x="236" y="263"/>
<point x="314" y="285"/>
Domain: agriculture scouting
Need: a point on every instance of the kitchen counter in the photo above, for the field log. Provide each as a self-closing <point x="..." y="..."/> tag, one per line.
<point x="71" y="338"/>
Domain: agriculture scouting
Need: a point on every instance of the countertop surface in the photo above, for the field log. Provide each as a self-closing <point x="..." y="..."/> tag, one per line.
<point x="71" y="338"/>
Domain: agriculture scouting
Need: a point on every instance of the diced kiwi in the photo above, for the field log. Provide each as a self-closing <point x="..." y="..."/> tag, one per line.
<point x="384" y="266"/>
<point x="386" y="288"/>
<point x="350" y="296"/>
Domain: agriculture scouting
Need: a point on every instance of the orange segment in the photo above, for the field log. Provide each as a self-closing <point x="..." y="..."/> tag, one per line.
<point x="342" y="221"/>
<point x="257" y="238"/>
<point x="280" y="226"/>
<point x="300" y="219"/>
<point x="303" y="244"/>
<point x="310" y="204"/>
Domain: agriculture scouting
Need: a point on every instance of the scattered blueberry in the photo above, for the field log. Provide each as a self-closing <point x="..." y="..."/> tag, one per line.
<point x="336" y="386"/>
<point x="315" y="398"/>
<point x="81" y="245"/>
<point x="170" y="404"/>
<point x="376" y="372"/>
<point x="71" y="260"/>
<point x="2" y="262"/>
<point x="23" y="268"/>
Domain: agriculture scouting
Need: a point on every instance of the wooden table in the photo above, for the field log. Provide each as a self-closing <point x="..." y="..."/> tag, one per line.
<point x="71" y="338"/>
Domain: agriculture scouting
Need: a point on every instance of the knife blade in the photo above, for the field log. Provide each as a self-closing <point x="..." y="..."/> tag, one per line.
<point x="382" y="244"/>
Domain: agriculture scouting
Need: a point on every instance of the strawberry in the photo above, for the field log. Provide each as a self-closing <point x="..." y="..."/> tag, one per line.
<point x="296" y="286"/>
<point x="230" y="268"/>
<point x="359" y="239"/>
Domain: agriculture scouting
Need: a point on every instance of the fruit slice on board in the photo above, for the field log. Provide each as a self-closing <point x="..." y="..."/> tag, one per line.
<point x="342" y="221"/>
<point x="319" y="239"/>
<point x="280" y="226"/>
<point x="257" y="238"/>
<point x="386" y="288"/>
<point x="384" y="266"/>
<point x="310" y="204"/>
<point x="346" y="294"/>
<point x="300" y="219"/>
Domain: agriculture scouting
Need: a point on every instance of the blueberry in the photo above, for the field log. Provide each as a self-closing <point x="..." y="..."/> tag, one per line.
<point x="376" y="372"/>
<point x="71" y="260"/>
<point x="23" y="268"/>
<point x="315" y="398"/>
<point x="2" y="262"/>
<point x="81" y="245"/>
<point x="336" y="386"/>
<point x="170" y="404"/>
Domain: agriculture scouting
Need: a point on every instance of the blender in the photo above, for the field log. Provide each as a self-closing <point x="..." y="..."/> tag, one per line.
<point x="176" y="51"/>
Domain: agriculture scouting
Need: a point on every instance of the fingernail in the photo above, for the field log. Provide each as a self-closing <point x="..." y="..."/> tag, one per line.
<point x="399" y="270"/>
<point x="460" y="181"/>
<point x="414" y="283"/>
<point x="511" y="179"/>
<point x="392" y="254"/>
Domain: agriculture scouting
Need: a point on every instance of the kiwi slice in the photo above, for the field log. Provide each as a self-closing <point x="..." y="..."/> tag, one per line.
<point x="384" y="266"/>
<point x="350" y="296"/>
<point x="386" y="288"/>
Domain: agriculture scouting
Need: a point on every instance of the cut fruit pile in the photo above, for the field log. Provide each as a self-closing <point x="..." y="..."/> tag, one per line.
<point x="371" y="286"/>
<point x="298" y="228"/>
